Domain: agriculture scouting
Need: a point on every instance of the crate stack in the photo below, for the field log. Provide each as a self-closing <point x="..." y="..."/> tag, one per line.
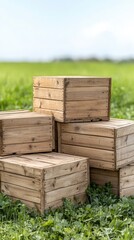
<point x="81" y="108"/>
<point x="30" y="171"/>
<point x="67" y="141"/>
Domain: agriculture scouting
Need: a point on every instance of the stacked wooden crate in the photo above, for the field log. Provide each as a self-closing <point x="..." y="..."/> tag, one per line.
<point x="40" y="179"/>
<point x="72" y="116"/>
<point x="109" y="143"/>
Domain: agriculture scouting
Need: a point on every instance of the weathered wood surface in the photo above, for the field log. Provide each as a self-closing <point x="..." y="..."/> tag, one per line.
<point x="104" y="143"/>
<point x="73" y="99"/>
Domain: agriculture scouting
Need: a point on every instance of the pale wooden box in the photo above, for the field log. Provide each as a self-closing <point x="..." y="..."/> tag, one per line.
<point x="43" y="180"/>
<point x="25" y="132"/>
<point x="122" y="180"/>
<point x="73" y="99"/>
<point x="108" y="145"/>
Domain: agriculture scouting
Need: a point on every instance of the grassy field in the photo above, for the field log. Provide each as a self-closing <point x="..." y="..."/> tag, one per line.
<point x="104" y="217"/>
<point x="16" y="82"/>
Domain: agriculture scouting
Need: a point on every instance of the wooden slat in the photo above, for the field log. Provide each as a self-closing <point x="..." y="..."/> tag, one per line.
<point x="127" y="182"/>
<point x="87" y="105"/>
<point x="54" y="156"/>
<point x="95" y="129"/>
<point x="101" y="176"/>
<point x="127" y="192"/>
<point x="13" y="112"/>
<point x="87" y="93"/>
<point x="48" y="93"/>
<point x="52" y="160"/>
<point x="86" y="115"/>
<point x="27" y="135"/>
<point x="20" y="192"/>
<point x="126" y="130"/>
<point x="103" y="172"/>
<point x="48" y="82"/>
<point x="126" y="152"/>
<point x="58" y="115"/>
<point x="124" y="162"/>
<point x="23" y="181"/>
<point x="47" y="104"/>
<point x="93" y="153"/>
<point x="28" y="122"/>
<point x="72" y="82"/>
<point x="65" y="181"/>
<point x="20" y="167"/>
<point x="126" y="171"/>
<point x="124" y="141"/>
<point x="65" y="192"/>
<point x="27" y="148"/>
<point x="65" y="169"/>
<point x="87" y="141"/>
<point x="79" y="198"/>
<point x="103" y="164"/>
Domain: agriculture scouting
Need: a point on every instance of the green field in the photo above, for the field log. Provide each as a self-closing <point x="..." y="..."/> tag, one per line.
<point x="16" y="82"/>
<point x="104" y="217"/>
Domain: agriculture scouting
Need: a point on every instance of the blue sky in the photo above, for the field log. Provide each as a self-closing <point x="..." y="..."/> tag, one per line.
<point x="40" y="30"/>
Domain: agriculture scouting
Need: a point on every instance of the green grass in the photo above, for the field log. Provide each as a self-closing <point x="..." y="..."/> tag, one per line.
<point x="16" y="82"/>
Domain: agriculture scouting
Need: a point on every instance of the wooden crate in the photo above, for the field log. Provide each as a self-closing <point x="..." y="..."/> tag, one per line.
<point x="73" y="99"/>
<point x="25" y="132"/>
<point x="43" y="180"/>
<point x="122" y="180"/>
<point x="108" y="145"/>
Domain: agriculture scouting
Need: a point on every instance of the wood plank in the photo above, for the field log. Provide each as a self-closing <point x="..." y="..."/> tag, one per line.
<point x="48" y="81"/>
<point x="126" y="130"/>
<point x="124" y="141"/>
<point x="92" y="153"/>
<point x="87" y="129"/>
<point x="31" y="134"/>
<point x="65" y="181"/>
<point x="27" y="135"/>
<point x="87" y="93"/>
<point x="52" y="160"/>
<point x="127" y="182"/>
<point x="48" y="93"/>
<point x="27" y="148"/>
<point x="126" y="171"/>
<point x="127" y="192"/>
<point x="65" y="192"/>
<point x="54" y="157"/>
<point x="102" y="179"/>
<point x="29" y="170"/>
<point x="104" y="172"/>
<point x="47" y="104"/>
<point x="104" y="164"/>
<point x="28" y="122"/>
<point x="124" y="162"/>
<point x="87" y="141"/>
<point x="23" y="181"/>
<point x="90" y="105"/>
<point x="84" y="115"/>
<point x="20" y="192"/>
<point x="65" y="169"/>
<point x="126" y="152"/>
<point x="79" y="198"/>
<point x="58" y="115"/>
<point x="13" y="112"/>
<point x="73" y="82"/>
